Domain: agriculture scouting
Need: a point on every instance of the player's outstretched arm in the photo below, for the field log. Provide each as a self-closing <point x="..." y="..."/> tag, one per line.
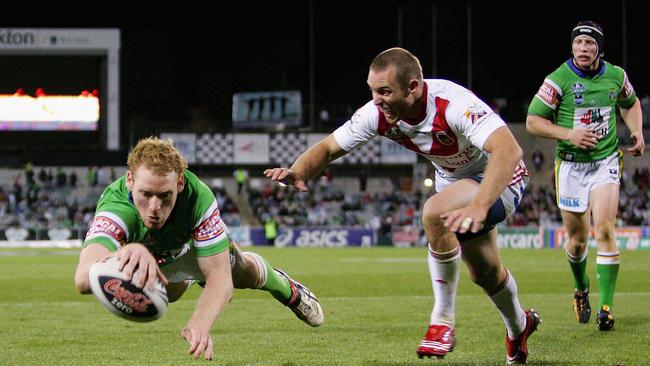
<point x="309" y="164"/>
<point x="88" y="255"/>
<point x="213" y="300"/>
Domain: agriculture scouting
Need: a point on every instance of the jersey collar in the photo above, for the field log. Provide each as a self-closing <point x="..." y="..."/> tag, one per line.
<point x="582" y="74"/>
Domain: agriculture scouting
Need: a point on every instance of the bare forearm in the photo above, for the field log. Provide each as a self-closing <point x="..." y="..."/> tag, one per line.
<point x="211" y="303"/>
<point x="498" y="174"/>
<point x="633" y="117"/>
<point x="310" y="163"/>
<point x="542" y="127"/>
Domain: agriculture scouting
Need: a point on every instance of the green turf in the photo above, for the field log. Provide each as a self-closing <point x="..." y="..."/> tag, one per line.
<point x="377" y="304"/>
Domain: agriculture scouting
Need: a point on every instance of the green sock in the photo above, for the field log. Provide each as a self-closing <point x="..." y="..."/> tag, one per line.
<point x="607" y="266"/>
<point x="276" y="284"/>
<point x="579" y="269"/>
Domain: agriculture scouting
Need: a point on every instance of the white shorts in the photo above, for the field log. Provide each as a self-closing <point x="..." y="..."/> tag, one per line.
<point x="574" y="181"/>
<point x="186" y="267"/>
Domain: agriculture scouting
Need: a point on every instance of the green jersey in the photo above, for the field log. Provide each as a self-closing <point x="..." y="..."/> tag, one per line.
<point x="571" y="99"/>
<point x="195" y="221"/>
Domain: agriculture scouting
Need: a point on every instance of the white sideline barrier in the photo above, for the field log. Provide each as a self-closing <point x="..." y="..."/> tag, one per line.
<point x="40" y="243"/>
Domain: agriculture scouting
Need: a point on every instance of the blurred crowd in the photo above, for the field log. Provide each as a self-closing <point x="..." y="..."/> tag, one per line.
<point x="323" y="206"/>
<point x="54" y="198"/>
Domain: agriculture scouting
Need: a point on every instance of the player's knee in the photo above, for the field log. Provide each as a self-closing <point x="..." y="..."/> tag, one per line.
<point x="605" y="234"/>
<point x="577" y="246"/>
<point x="431" y="220"/>
<point x="246" y="273"/>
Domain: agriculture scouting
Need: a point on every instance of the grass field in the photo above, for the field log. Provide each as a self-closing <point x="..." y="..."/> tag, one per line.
<point x="376" y="301"/>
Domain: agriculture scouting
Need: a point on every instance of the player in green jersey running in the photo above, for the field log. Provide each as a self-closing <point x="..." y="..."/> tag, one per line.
<point x="576" y="105"/>
<point x="163" y="222"/>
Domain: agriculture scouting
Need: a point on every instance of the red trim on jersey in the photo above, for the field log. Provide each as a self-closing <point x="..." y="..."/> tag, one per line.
<point x="383" y="128"/>
<point x="382" y="125"/>
<point x="444" y="141"/>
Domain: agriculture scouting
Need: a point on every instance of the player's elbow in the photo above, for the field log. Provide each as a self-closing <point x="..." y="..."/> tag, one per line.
<point x="508" y="155"/>
<point x="516" y="152"/>
<point x="530" y="124"/>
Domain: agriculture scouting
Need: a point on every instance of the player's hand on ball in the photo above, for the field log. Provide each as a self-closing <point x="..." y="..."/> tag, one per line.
<point x="138" y="263"/>
<point x="200" y="342"/>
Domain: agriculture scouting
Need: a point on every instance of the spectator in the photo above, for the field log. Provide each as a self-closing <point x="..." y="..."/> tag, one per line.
<point x="241" y="176"/>
<point x="363" y="179"/>
<point x="270" y="229"/>
<point x="72" y="178"/>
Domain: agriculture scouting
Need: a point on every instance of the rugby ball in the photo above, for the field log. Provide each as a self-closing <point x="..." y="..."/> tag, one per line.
<point x="122" y="297"/>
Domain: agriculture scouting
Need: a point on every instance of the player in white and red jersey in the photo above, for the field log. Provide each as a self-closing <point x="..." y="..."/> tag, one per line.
<point x="479" y="181"/>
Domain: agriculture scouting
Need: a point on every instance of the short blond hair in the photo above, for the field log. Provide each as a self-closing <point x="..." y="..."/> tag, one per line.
<point x="158" y="155"/>
<point x="406" y="64"/>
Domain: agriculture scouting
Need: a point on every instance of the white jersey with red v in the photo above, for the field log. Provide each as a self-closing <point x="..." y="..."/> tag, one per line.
<point x="450" y="133"/>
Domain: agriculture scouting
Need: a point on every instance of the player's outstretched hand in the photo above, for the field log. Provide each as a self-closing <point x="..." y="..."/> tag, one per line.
<point x="286" y="176"/>
<point x="200" y="342"/>
<point x="136" y="257"/>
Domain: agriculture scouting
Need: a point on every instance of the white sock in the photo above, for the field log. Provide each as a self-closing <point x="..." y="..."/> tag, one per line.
<point x="444" y="271"/>
<point x="507" y="302"/>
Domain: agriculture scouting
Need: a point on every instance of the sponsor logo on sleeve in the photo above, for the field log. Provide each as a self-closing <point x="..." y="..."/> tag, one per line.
<point x="210" y="228"/>
<point x="106" y="226"/>
<point x="627" y="89"/>
<point x="547" y="93"/>
<point x="474" y="113"/>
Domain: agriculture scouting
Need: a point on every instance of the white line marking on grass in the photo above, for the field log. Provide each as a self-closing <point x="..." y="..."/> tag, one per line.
<point x="16" y="253"/>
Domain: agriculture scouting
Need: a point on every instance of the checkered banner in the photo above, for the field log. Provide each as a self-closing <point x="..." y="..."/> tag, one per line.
<point x="286" y="147"/>
<point x="366" y="154"/>
<point x="214" y="148"/>
<point x="281" y="149"/>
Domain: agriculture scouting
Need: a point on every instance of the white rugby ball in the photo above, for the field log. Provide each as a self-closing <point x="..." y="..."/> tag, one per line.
<point x="122" y="297"/>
